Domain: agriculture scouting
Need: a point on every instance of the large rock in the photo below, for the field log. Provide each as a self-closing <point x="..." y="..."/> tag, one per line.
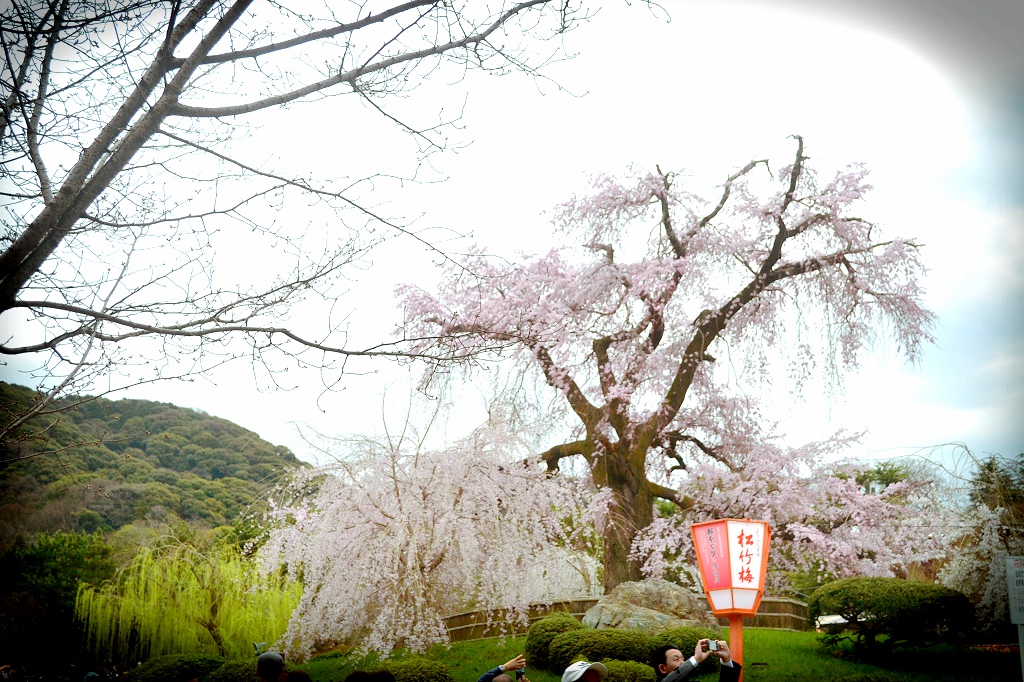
<point x="649" y="605"/>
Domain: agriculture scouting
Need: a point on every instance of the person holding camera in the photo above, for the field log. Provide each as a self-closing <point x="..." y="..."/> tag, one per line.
<point x="670" y="666"/>
<point x="501" y="674"/>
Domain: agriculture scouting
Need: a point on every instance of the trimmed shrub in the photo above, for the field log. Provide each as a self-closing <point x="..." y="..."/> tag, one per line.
<point x="598" y="645"/>
<point x="234" y="671"/>
<point x="685" y="639"/>
<point x="882" y="613"/>
<point x="628" y="671"/>
<point x="540" y="634"/>
<point x="175" y="668"/>
<point x="418" y="670"/>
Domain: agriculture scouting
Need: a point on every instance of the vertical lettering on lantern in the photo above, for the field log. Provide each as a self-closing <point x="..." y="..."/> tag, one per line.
<point x="713" y="551"/>
<point x="746" y="544"/>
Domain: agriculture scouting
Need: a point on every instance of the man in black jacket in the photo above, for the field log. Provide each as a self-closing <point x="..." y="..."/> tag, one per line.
<point x="670" y="666"/>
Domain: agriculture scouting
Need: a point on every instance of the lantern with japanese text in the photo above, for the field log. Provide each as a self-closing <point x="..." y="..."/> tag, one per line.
<point x="733" y="559"/>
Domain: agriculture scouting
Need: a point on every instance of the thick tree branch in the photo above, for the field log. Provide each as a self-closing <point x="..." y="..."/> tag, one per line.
<point x="783" y="233"/>
<point x="604" y="366"/>
<point x="666" y="215"/>
<point x="191" y="329"/>
<point x="615" y="405"/>
<point x="351" y="75"/>
<point x="670" y="439"/>
<point x="14" y="96"/>
<point x="559" y="379"/>
<point x="667" y="493"/>
<point x="32" y="124"/>
<point x="24" y="257"/>
<point x="552" y="456"/>
<point x="710" y="325"/>
<point x="310" y="37"/>
<point x="726" y="191"/>
<point x="788" y="270"/>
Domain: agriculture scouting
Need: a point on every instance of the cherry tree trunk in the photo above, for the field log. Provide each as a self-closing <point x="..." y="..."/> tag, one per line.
<point x="622" y="470"/>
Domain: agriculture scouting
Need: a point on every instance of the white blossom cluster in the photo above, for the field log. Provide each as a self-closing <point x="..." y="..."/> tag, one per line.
<point x="977" y="567"/>
<point x="823" y="522"/>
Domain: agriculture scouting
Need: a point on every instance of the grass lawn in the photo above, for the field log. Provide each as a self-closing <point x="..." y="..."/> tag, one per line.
<point x="771" y="656"/>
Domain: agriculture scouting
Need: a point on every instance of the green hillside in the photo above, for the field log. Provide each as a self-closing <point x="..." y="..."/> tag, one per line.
<point x="103" y="464"/>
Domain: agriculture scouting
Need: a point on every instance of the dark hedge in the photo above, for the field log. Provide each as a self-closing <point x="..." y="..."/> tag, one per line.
<point x="883" y="613"/>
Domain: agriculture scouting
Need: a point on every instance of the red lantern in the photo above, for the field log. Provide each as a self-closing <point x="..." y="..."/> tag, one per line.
<point x="733" y="559"/>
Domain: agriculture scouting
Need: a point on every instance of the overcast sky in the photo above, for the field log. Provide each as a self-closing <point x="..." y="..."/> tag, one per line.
<point x="928" y="93"/>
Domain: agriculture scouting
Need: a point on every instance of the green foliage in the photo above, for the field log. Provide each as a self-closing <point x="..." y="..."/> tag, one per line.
<point x="999" y="482"/>
<point x="242" y="670"/>
<point x="685" y="639"/>
<point x="628" y="671"/>
<point x="177" y="599"/>
<point x="881" y="476"/>
<point x="38" y="584"/>
<point x="418" y="669"/>
<point x="540" y="634"/>
<point x="136" y="456"/>
<point x="886" y="612"/>
<point x="608" y="644"/>
<point x="176" y="668"/>
<point x="598" y="645"/>
<point x="771" y="656"/>
<point x="52" y="566"/>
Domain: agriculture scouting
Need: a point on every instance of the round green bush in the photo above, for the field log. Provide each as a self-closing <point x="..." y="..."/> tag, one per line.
<point x="598" y="645"/>
<point x="175" y="668"/>
<point x="685" y="639"/>
<point x="234" y="671"/>
<point x="628" y="671"/>
<point x="418" y="670"/>
<point x="540" y="634"/>
<point x="882" y="613"/>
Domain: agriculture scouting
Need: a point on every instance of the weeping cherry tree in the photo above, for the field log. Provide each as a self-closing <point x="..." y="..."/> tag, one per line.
<point x="775" y="271"/>
<point x="394" y="536"/>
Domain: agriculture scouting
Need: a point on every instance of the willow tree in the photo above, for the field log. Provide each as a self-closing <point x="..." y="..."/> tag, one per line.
<point x="176" y="599"/>
<point x="624" y="322"/>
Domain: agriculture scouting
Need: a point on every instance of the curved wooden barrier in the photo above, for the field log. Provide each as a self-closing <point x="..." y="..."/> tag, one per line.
<point x="775" y="612"/>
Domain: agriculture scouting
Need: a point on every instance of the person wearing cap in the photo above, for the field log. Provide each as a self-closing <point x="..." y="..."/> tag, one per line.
<point x="670" y="666"/>
<point x="499" y="674"/>
<point x="270" y="667"/>
<point x="582" y="671"/>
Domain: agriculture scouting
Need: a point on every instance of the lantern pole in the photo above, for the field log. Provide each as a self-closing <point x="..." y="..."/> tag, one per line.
<point x="736" y="640"/>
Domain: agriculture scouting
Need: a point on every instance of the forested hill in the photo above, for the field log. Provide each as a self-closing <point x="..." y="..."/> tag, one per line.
<point x="103" y="464"/>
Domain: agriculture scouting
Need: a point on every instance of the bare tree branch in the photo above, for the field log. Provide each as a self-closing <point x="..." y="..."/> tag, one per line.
<point x="352" y="75"/>
<point x="104" y="80"/>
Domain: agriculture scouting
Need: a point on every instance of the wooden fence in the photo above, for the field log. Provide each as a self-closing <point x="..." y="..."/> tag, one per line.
<point x="775" y="612"/>
<point x="779" y="613"/>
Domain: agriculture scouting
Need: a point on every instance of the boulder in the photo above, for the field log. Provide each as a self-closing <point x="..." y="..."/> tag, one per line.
<point x="649" y="605"/>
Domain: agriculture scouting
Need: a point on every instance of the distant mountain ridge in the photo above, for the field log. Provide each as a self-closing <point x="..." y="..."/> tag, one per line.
<point x="103" y="464"/>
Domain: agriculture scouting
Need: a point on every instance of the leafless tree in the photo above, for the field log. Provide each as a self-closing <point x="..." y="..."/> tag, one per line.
<point x="122" y="128"/>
